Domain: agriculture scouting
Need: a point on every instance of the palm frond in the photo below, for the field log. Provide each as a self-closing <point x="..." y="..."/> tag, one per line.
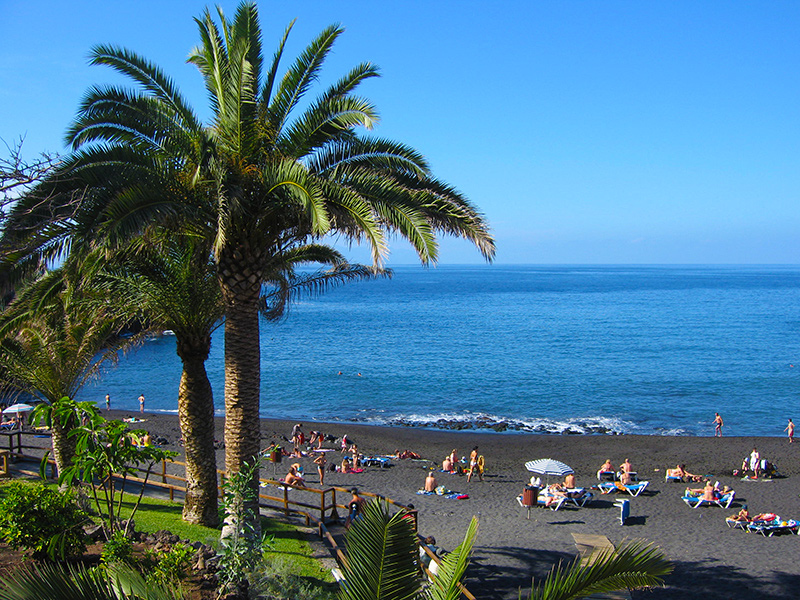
<point x="445" y="584"/>
<point x="635" y="565"/>
<point x="382" y="556"/>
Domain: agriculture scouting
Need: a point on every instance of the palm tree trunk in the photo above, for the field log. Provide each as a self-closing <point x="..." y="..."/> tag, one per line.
<point x="63" y="446"/>
<point x="196" y="415"/>
<point x="241" y="286"/>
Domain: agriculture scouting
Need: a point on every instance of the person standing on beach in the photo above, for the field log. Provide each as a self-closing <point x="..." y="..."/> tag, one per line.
<point x="790" y="430"/>
<point x="717" y="425"/>
<point x="322" y="462"/>
<point x="141" y="403"/>
<point x="108" y="401"/>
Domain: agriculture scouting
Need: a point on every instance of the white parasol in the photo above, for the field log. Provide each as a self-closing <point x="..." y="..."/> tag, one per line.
<point x="548" y="466"/>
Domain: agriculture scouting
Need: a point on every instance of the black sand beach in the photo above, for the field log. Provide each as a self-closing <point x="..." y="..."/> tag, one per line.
<point x="710" y="559"/>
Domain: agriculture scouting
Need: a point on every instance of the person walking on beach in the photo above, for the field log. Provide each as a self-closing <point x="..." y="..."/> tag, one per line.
<point x="321" y="461"/>
<point x="141" y="403"/>
<point x="108" y="402"/>
<point x="790" y="430"/>
<point x="474" y="467"/>
<point x="717" y="425"/>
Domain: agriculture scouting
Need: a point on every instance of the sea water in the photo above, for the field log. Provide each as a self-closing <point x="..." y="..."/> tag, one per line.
<point x="582" y="349"/>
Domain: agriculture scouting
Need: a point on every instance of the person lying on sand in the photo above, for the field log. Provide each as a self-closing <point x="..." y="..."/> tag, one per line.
<point x="406" y="454"/>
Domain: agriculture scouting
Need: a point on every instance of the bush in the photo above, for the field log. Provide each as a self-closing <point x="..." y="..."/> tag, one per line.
<point x="164" y="568"/>
<point x="119" y="549"/>
<point x="43" y="520"/>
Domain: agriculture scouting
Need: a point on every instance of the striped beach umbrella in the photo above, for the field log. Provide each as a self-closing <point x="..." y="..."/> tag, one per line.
<point x="548" y="467"/>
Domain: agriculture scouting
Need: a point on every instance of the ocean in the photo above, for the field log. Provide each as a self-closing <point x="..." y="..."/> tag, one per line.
<point x="653" y="350"/>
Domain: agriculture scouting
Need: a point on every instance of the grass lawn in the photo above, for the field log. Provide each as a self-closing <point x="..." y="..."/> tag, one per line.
<point x="285" y="541"/>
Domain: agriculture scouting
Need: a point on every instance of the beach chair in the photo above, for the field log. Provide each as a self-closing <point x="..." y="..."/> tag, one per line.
<point x="770" y="528"/>
<point x="552" y="502"/>
<point x="671" y="478"/>
<point x="736" y="523"/>
<point x="624" y="510"/>
<point x="580" y="497"/>
<point x="698" y="501"/>
<point x="634" y="489"/>
<point x="606" y="475"/>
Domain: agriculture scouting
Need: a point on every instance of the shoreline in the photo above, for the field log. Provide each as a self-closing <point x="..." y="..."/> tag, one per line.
<point x="710" y="559"/>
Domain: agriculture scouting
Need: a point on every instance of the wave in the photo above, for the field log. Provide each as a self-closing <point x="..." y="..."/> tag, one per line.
<point x="488" y="422"/>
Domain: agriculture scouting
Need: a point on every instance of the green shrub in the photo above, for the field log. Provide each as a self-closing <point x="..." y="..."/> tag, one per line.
<point x="167" y="567"/>
<point x="43" y="520"/>
<point x="119" y="549"/>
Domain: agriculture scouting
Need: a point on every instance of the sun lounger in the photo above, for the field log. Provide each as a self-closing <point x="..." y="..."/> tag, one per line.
<point x="634" y="489"/>
<point x="736" y="523"/>
<point x="606" y="475"/>
<point x="552" y="502"/>
<point x="723" y="501"/>
<point x="671" y="478"/>
<point x="580" y="497"/>
<point x="770" y="528"/>
<point x="624" y="510"/>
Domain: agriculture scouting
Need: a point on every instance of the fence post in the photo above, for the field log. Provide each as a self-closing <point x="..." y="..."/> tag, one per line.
<point x="286" y="500"/>
<point x="164" y="471"/>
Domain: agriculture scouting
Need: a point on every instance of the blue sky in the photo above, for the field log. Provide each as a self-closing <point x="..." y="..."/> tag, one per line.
<point x="587" y="132"/>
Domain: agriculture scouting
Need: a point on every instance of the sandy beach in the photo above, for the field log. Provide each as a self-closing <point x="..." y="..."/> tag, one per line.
<point x="710" y="559"/>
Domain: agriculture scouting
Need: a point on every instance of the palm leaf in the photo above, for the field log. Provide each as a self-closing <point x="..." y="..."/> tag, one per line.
<point x="445" y="585"/>
<point x="381" y="556"/>
<point x="635" y="565"/>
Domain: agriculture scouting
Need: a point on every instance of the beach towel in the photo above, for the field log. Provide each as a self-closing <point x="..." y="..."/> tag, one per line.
<point x="444" y="493"/>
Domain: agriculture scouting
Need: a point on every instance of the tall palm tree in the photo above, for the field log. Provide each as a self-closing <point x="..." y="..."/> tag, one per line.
<point x="270" y="171"/>
<point x="53" y="338"/>
<point x="172" y="283"/>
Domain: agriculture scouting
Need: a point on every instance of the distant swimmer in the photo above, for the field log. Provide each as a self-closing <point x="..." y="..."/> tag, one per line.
<point x="717" y="425"/>
<point x="339" y="373"/>
<point x="359" y="374"/>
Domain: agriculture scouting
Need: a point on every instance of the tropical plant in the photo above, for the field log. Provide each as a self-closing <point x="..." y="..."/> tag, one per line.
<point x="271" y="172"/>
<point x="634" y="565"/>
<point x="54" y="582"/>
<point x="53" y="338"/>
<point x="43" y="520"/>
<point x="383" y="559"/>
<point x="107" y="451"/>
<point x="240" y="545"/>
<point x="167" y="566"/>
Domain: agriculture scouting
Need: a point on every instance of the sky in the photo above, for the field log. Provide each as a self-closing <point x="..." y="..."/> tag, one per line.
<point x="586" y="132"/>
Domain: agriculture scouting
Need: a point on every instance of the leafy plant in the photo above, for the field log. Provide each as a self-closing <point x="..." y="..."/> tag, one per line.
<point x="166" y="567"/>
<point x="117" y="549"/>
<point x="241" y="544"/>
<point x="275" y="580"/>
<point x="47" y="582"/>
<point x="106" y="450"/>
<point x="43" y="520"/>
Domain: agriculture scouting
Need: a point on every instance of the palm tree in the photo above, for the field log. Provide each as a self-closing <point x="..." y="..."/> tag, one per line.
<point x="53" y="338"/>
<point x="171" y="283"/>
<point x="258" y="181"/>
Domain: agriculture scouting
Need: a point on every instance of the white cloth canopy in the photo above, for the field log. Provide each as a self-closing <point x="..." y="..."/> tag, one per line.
<point x="548" y="466"/>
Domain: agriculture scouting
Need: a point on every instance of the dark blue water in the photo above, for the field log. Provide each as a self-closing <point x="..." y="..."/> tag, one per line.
<point x="633" y="349"/>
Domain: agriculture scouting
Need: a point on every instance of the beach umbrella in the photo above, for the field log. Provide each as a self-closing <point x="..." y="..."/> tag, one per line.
<point x="548" y="467"/>
<point x="16" y="409"/>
